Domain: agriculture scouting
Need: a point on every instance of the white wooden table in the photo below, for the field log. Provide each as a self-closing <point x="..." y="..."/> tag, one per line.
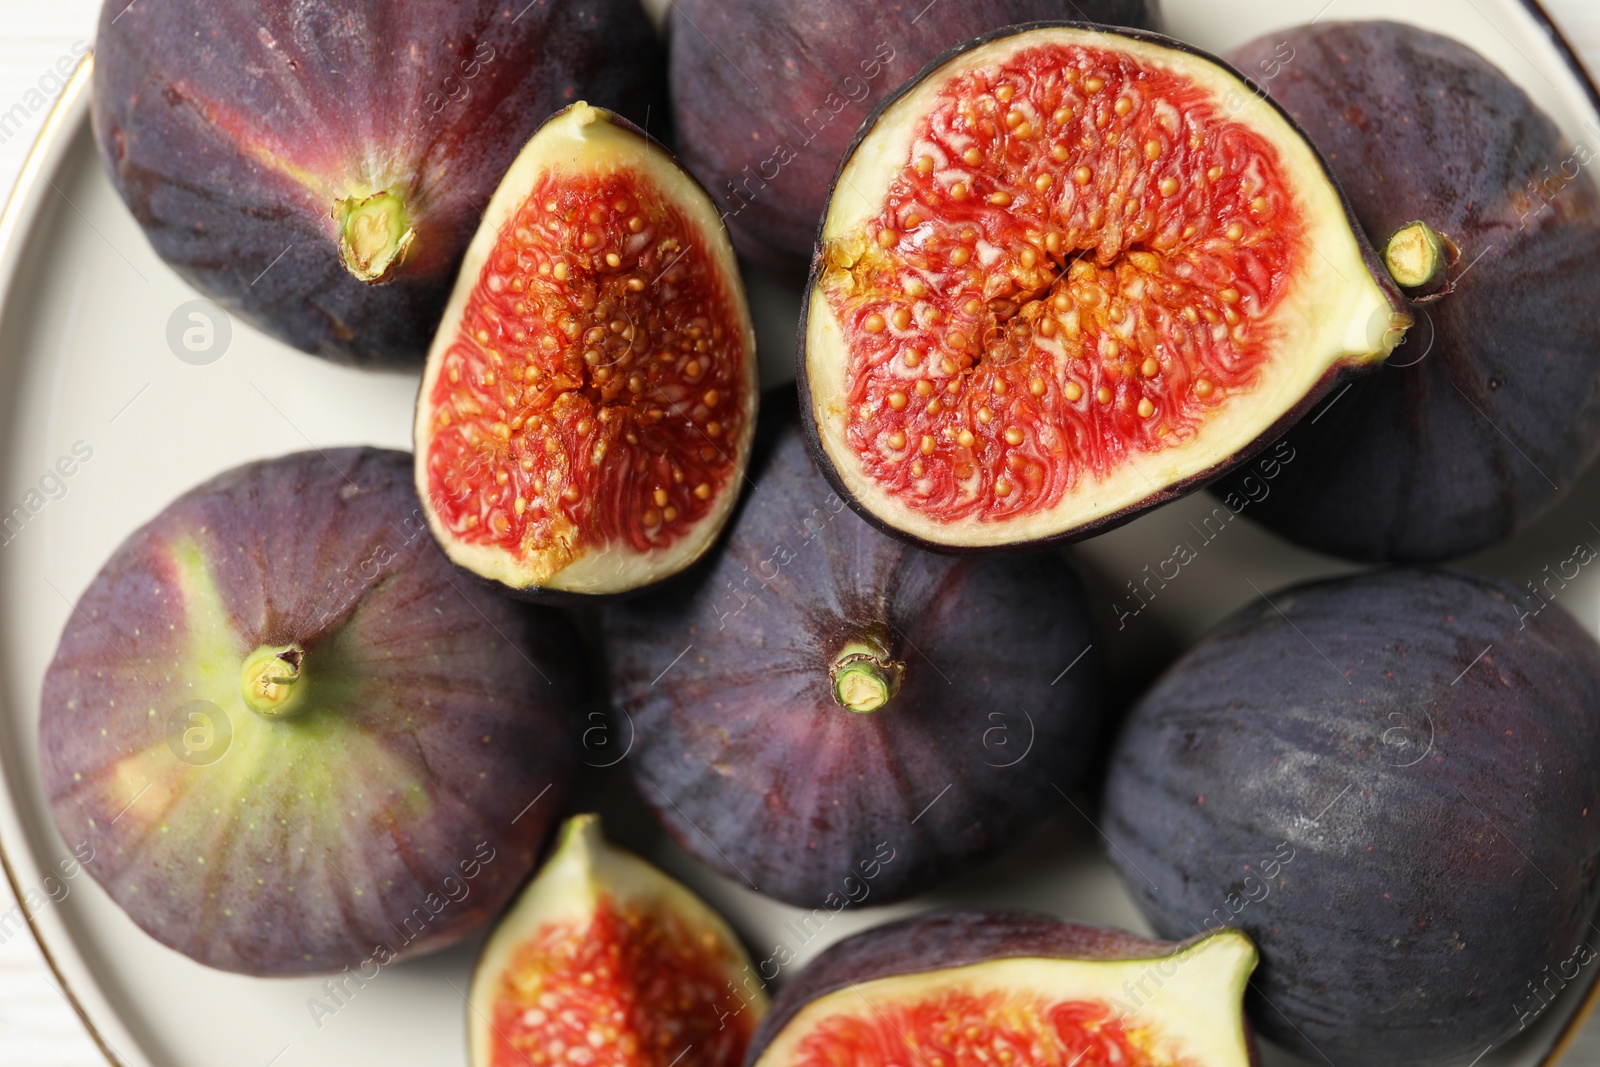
<point x="37" y="1028"/>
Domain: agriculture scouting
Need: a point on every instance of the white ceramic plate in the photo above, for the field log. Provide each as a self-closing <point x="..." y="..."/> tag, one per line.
<point x="86" y="311"/>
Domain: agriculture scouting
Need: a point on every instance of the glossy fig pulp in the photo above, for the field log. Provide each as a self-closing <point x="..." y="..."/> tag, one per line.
<point x="1067" y="274"/>
<point x="604" y="960"/>
<point x="1019" y="990"/>
<point x="587" y="408"/>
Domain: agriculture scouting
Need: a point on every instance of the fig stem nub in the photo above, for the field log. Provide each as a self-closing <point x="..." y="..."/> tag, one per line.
<point x="272" y="681"/>
<point x="374" y="234"/>
<point x="864" y="678"/>
<point x="1417" y="257"/>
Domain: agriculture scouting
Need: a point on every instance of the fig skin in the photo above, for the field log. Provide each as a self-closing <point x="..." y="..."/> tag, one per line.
<point x="230" y="130"/>
<point x="754" y="766"/>
<point x="1405" y="828"/>
<point x="1492" y="408"/>
<point x="766" y="97"/>
<point x="435" y="714"/>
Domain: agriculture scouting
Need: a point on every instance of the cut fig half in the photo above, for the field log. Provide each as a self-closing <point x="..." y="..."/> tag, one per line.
<point x="1069" y="273"/>
<point x="586" y="411"/>
<point x="604" y="960"/>
<point x="961" y="989"/>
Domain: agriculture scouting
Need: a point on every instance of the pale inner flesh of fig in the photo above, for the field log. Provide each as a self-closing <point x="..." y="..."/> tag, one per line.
<point x="587" y="408"/>
<point x="1184" y="1009"/>
<point x="1066" y="271"/>
<point x="606" y="962"/>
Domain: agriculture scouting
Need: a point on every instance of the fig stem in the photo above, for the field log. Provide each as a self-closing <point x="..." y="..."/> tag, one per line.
<point x="374" y="234"/>
<point x="272" y="681"/>
<point x="864" y="678"/>
<point x="1417" y="257"/>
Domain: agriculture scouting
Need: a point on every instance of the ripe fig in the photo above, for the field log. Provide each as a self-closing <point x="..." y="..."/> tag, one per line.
<point x="1389" y="783"/>
<point x="587" y="408"/>
<point x="1067" y="275"/>
<point x="827" y="715"/>
<point x="295" y="737"/>
<point x="1018" y="989"/>
<point x="1492" y="408"/>
<point x="605" y="954"/>
<point x="767" y="96"/>
<point x="318" y="168"/>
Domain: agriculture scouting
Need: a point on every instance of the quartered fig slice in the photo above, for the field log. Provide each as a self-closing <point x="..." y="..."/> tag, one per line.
<point x="1070" y="273"/>
<point x="587" y="407"/>
<point x="956" y="989"/>
<point x="606" y="962"/>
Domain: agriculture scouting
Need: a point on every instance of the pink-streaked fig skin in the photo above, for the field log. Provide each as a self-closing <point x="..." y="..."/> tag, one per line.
<point x="232" y="130"/>
<point x="766" y="97"/>
<point x="372" y="798"/>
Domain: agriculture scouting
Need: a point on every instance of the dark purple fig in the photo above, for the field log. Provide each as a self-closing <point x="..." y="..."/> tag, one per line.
<point x="825" y="713"/>
<point x="295" y="737"/>
<point x="1492" y="408"/>
<point x="1389" y="782"/>
<point x="318" y="168"/>
<point x="766" y="97"/>
<point x="1123" y="280"/>
<point x="1015" y="989"/>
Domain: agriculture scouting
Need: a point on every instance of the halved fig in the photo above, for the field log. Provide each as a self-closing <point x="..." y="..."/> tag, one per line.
<point x="1068" y="274"/>
<point x="587" y="407"/>
<point x="604" y="960"/>
<point x="960" y="988"/>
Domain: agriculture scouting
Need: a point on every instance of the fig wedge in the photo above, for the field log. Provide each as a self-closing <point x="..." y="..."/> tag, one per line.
<point x="605" y="960"/>
<point x="586" y="411"/>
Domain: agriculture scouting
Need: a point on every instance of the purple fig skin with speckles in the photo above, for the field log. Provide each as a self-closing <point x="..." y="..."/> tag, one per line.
<point x="767" y="96"/>
<point x="392" y="807"/>
<point x="1389" y="782"/>
<point x="232" y="127"/>
<point x="754" y="766"/>
<point x="1491" y="408"/>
